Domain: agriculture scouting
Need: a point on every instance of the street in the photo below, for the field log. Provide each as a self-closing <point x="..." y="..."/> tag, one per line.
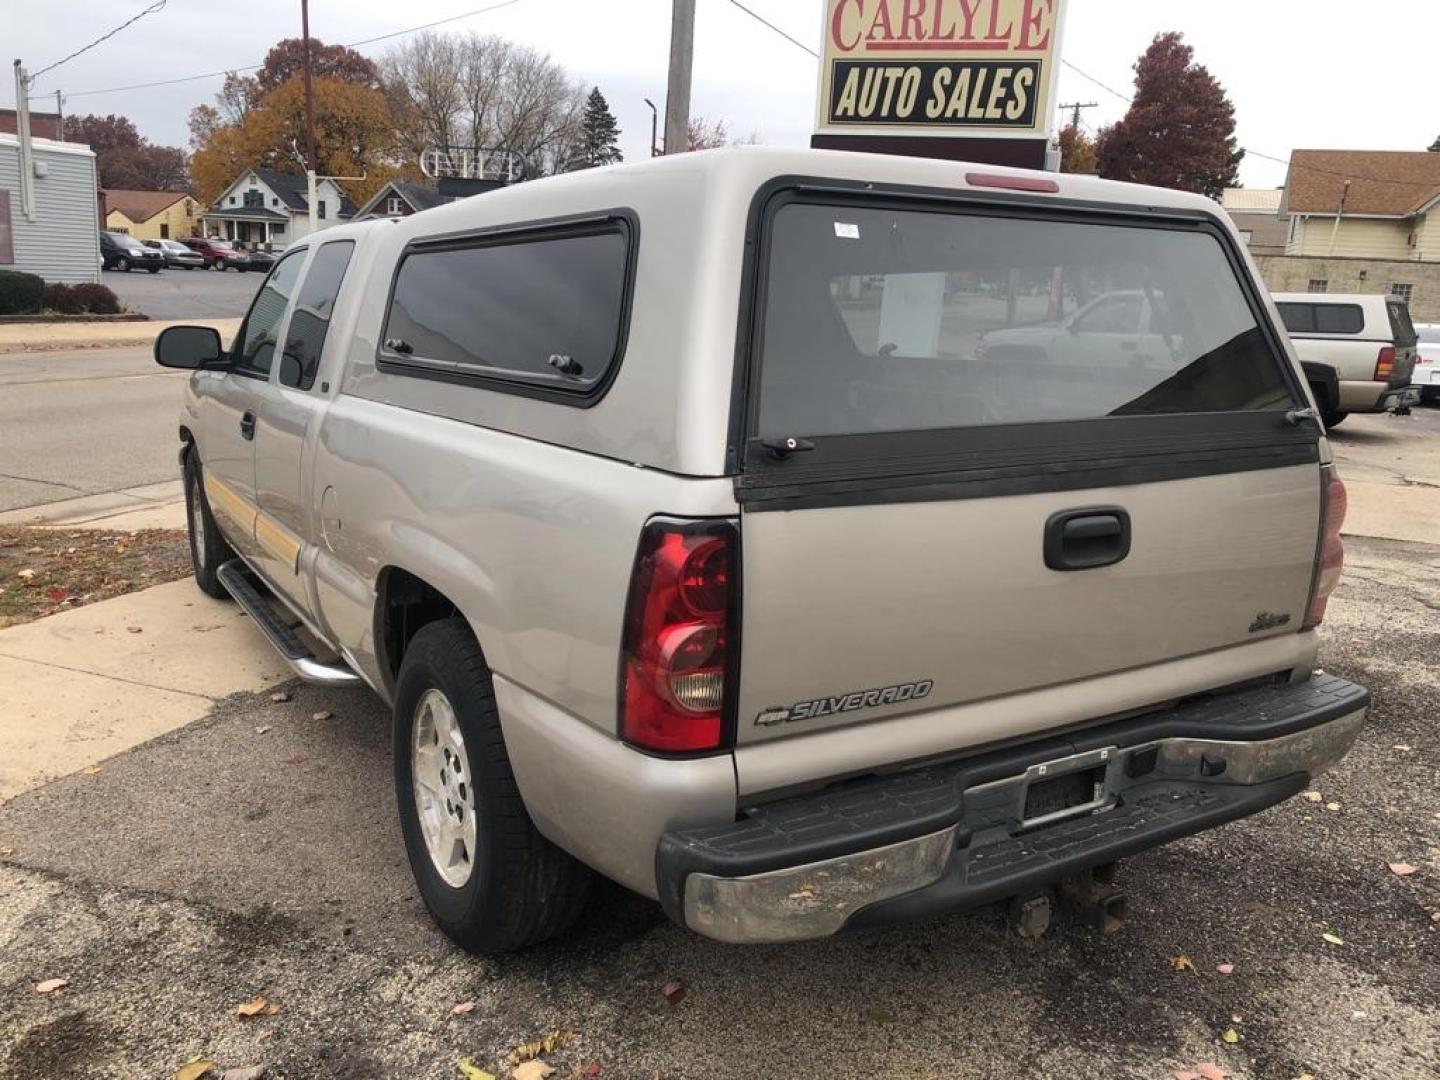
<point x="255" y="851"/>
<point x="185" y="294"/>
<point x="84" y="422"/>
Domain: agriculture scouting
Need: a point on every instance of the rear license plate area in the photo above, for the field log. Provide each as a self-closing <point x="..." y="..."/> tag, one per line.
<point x="1047" y="798"/>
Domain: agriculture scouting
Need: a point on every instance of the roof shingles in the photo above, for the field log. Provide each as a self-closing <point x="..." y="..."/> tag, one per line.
<point x="1389" y="183"/>
<point x="141" y="206"/>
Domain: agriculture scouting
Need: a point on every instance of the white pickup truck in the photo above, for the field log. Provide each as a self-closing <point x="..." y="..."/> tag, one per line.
<point x="1357" y="351"/>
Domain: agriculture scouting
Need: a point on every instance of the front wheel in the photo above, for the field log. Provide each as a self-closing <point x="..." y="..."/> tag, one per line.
<point x="208" y="549"/>
<point x="122" y="263"/>
<point x="153" y="269"/>
<point x="1333" y="417"/>
<point x="490" y="880"/>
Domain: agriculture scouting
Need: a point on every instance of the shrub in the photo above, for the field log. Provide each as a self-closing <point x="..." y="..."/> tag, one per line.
<point x="61" y="298"/>
<point x="96" y="299"/>
<point x="20" y="293"/>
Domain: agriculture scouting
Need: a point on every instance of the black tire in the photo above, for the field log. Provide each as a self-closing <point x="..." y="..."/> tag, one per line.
<point x="1332" y="417"/>
<point x="521" y="888"/>
<point x="209" y="551"/>
<point x="153" y="269"/>
<point x="1430" y="396"/>
<point x="122" y="263"/>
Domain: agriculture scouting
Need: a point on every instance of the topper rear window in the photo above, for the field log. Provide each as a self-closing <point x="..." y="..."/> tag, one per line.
<point x="883" y="319"/>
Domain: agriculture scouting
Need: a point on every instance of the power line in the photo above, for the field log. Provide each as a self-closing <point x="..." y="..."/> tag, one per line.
<point x="254" y="67"/>
<point x="766" y="22"/>
<point x="1097" y="82"/>
<point x="103" y="37"/>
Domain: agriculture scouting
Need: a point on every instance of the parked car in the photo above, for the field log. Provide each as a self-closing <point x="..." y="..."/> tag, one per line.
<point x="1358" y="351"/>
<point x="259" y="260"/>
<point x="723" y="566"/>
<point x="1426" y="375"/>
<point x="121" y="251"/>
<point x="218" y="255"/>
<point x="177" y="254"/>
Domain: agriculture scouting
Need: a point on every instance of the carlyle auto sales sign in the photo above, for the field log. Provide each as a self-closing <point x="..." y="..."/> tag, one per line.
<point x="940" y="67"/>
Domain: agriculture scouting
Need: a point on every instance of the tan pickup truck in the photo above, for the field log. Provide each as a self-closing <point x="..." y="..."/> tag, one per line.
<point x="763" y="530"/>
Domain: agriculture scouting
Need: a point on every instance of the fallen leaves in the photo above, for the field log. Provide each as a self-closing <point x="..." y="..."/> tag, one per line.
<point x="295" y="759"/>
<point x="51" y="986"/>
<point x="1183" y="963"/>
<point x="1401" y="869"/>
<point x="57" y="595"/>
<point x="194" y="1069"/>
<point x="674" y="991"/>
<point x="134" y="629"/>
<point x="463" y="1008"/>
<point x="546" y="1044"/>
<point x="90" y="770"/>
<point x="262" y="729"/>
<point x="1206" y="1070"/>
<point x="256" y="1006"/>
<point x="244" y="1072"/>
<point x="280" y="696"/>
<point x="1333" y="807"/>
<point x="321" y="715"/>
<point x="1225" y="969"/>
<point x="26" y="575"/>
<point x="1230" y="1036"/>
<point x="471" y="1071"/>
<point x="534" y="1069"/>
<point x="1312" y="796"/>
<point x="1332" y="938"/>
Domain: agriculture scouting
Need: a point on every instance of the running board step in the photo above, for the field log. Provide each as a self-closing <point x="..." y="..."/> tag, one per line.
<point x="246" y="590"/>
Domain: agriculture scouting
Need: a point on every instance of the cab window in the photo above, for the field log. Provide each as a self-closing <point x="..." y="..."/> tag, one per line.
<point x="255" y="347"/>
<point x="305" y="337"/>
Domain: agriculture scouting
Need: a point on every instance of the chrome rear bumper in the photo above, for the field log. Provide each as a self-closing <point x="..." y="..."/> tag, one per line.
<point x="1146" y="792"/>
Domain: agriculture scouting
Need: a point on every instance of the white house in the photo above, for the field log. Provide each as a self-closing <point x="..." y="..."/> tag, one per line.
<point x="60" y="241"/>
<point x="268" y="209"/>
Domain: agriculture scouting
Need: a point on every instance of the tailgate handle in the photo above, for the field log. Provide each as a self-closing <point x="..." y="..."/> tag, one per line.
<point x="1087" y="539"/>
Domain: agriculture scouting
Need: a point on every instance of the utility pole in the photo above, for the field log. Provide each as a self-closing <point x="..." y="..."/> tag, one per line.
<point x="27" y="152"/>
<point x="1075" y="107"/>
<point x="310" y="164"/>
<point x="677" y="94"/>
<point x="59" y="116"/>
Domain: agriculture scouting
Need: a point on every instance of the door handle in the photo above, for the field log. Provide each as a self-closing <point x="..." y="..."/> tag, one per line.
<point x="247" y="425"/>
<point x="1087" y="539"/>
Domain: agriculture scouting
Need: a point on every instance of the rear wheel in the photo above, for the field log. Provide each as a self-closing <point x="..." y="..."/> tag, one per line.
<point x="208" y="549"/>
<point x="153" y="269"/>
<point x="490" y="880"/>
<point x="1333" y="417"/>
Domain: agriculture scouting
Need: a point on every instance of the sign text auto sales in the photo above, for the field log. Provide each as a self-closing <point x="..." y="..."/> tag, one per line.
<point x="939" y="66"/>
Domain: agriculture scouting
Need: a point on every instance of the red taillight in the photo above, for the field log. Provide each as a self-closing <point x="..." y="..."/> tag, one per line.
<point x="676" y="660"/>
<point x="1330" y="559"/>
<point x="1385" y="365"/>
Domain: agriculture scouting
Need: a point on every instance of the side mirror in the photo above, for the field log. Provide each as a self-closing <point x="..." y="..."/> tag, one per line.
<point x="188" y="347"/>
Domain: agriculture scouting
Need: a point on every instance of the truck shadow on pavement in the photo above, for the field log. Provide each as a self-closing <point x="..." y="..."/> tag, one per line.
<point x="257" y="852"/>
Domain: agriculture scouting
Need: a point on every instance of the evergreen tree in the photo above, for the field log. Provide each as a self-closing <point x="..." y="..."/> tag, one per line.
<point x="599" y="134"/>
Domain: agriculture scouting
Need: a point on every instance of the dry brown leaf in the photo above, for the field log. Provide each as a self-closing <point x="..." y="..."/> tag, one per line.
<point x="1401" y="869"/>
<point x="546" y="1044"/>
<point x="534" y="1069"/>
<point x="6" y="851"/>
<point x="256" y="1006"/>
<point x="1312" y="796"/>
<point x="26" y="575"/>
<point x="321" y="715"/>
<point x="280" y="695"/>
<point x="1332" y="806"/>
<point x="674" y="991"/>
<point x="1208" y="1070"/>
<point x="295" y="759"/>
<point x="1225" y="969"/>
<point x="471" y="1071"/>
<point x="463" y="1008"/>
<point x="135" y="629"/>
<point x="50" y="986"/>
<point x="90" y="770"/>
<point x="1182" y="963"/>
<point x="1231" y="1036"/>
<point x="1333" y="939"/>
<point x="262" y="729"/>
<point x="193" y="1070"/>
<point x="244" y="1072"/>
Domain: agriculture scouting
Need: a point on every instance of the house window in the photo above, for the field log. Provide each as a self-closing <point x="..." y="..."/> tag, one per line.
<point x="164" y="231"/>
<point x="1402" y="290"/>
<point x="255" y="199"/>
<point x="393" y="206"/>
<point x="274" y="201"/>
<point x="1318" y="285"/>
<point x="277" y="229"/>
<point x="232" y="200"/>
<point x="320" y="209"/>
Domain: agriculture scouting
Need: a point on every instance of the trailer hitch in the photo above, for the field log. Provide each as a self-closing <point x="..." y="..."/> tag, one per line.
<point x="1095" y="898"/>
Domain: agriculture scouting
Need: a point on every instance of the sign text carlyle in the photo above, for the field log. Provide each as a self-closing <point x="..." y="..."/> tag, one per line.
<point x="940" y="67"/>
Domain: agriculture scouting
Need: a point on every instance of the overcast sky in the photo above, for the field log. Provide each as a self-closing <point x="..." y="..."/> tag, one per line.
<point x="1302" y="73"/>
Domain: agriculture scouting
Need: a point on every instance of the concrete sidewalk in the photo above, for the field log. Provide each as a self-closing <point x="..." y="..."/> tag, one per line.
<point x="87" y="683"/>
<point x="36" y="337"/>
<point x="150" y="506"/>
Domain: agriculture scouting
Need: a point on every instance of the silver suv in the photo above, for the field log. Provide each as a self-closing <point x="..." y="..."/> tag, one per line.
<point x="704" y="528"/>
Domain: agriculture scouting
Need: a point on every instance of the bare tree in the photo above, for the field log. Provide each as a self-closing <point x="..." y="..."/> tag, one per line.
<point x="482" y="92"/>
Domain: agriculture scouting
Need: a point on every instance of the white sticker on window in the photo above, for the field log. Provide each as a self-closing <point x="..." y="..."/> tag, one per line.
<point x="846" y="231"/>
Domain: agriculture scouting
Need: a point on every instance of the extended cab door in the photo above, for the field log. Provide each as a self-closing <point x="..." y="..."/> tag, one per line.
<point x="926" y="530"/>
<point x="289" y="411"/>
<point x="227" y="401"/>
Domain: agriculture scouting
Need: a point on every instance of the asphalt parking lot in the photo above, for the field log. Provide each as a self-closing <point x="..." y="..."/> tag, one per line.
<point x="185" y="294"/>
<point x="256" y="852"/>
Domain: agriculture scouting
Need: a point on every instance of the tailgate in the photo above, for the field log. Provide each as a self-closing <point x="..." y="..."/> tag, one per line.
<point x="989" y="452"/>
